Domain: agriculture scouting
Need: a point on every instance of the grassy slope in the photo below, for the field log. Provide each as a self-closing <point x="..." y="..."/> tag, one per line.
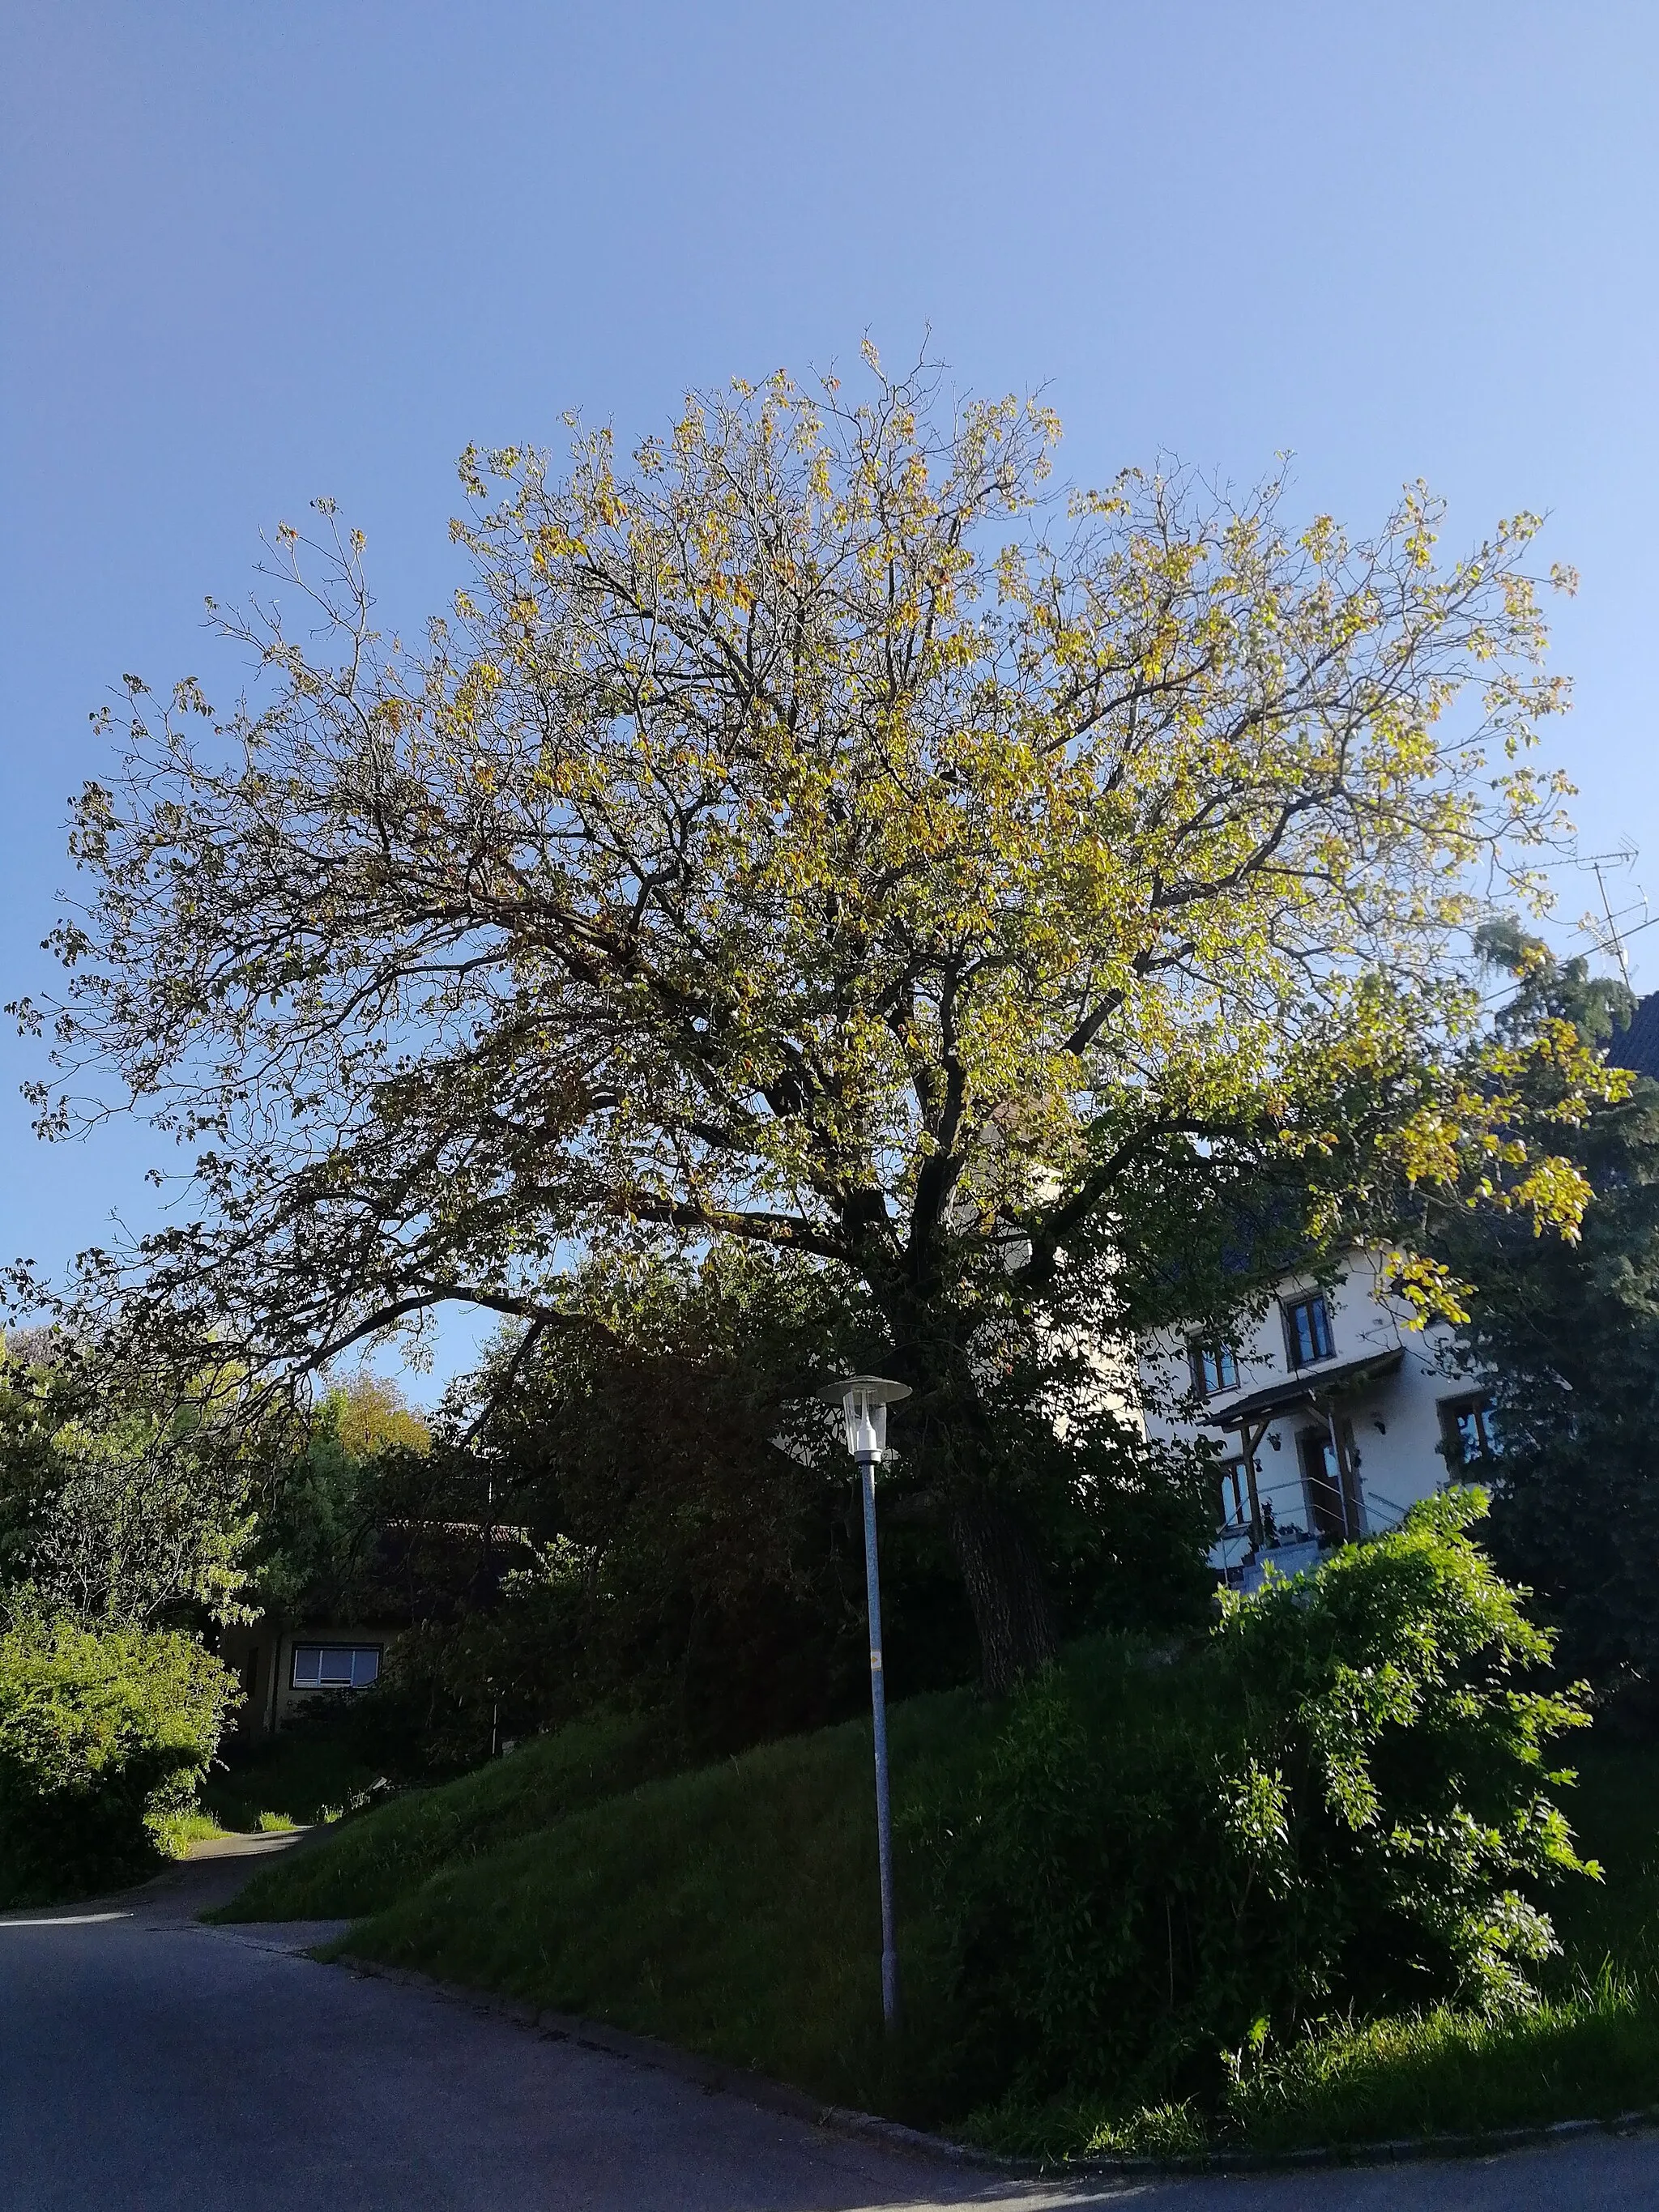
<point x="380" y="1855"/>
<point x="732" y="1910"/>
<point x="1615" y="1810"/>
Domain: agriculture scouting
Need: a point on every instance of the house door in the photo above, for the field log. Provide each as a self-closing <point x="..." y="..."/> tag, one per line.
<point x="1332" y="1491"/>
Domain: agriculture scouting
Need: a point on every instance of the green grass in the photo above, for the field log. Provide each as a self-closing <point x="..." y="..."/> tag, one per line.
<point x="1615" y="1811"/>
<point x="382" y="1854"/>
<point x="1591" y="2055"/>
<point x="176" y="1832"/>
<point x="732" y="1910"/>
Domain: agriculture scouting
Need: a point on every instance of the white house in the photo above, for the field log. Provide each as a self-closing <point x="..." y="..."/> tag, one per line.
<point x="1333" y="1416"/>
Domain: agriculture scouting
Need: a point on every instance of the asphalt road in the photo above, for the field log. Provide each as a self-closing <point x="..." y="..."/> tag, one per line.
<point x="149" y="2064"/>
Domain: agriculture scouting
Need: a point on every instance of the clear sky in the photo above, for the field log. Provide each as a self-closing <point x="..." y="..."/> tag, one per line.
<point x="251" y="254"/>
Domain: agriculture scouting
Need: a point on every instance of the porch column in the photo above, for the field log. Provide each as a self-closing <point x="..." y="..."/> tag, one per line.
<point x="1347" y="1489"/>
<point x="1250" y="1444"/>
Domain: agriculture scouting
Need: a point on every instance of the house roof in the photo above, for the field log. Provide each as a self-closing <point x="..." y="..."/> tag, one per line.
<point x="1636" y="1046"/>
<point x="1306" y="1388"/>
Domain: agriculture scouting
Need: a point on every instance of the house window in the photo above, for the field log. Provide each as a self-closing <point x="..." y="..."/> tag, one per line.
<point x="1308" y="1330"/>
<point x="335" y="1665"/>
<point x="1468" y="1430"/>
<point x="1214" y="1368"/>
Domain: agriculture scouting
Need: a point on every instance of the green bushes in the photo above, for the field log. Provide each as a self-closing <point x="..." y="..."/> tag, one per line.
<point x="1338" y="1802"/>
<point x="104" y="1735"/>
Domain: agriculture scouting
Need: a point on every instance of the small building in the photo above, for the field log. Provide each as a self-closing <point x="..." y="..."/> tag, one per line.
<point x="418" y="1569"/>
<point x="1332" y="1414"/>
<point x="284" y="1667"/>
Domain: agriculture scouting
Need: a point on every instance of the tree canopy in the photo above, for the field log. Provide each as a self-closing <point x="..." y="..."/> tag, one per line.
<point x="817" y="834"/>
<point x="116" y="1510"/>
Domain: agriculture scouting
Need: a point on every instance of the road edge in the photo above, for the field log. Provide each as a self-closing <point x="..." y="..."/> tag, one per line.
<point x="716" y="2076"/>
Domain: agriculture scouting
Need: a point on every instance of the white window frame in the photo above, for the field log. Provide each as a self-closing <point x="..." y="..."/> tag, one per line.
<point x="358" y="1675"/>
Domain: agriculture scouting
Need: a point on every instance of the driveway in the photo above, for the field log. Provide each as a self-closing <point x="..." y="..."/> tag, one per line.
<point x="149" y="2064"/>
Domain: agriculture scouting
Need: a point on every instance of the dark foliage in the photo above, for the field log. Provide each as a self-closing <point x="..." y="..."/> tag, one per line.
<point x="118" y="1509"/>
<point x="654" y="1513"/>
<point x="1340" y="1800"/>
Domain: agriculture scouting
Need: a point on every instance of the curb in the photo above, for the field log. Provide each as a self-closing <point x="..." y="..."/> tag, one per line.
<point x="714" y="2077"/>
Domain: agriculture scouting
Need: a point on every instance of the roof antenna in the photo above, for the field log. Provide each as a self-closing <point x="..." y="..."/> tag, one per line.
<point x="1622" y="856"/>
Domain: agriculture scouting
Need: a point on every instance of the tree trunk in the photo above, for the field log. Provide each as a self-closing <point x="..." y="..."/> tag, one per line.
<point x="1007" y="1590"/>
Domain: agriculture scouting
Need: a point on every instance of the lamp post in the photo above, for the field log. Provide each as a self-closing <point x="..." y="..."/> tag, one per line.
<point x="864" y="1400"/>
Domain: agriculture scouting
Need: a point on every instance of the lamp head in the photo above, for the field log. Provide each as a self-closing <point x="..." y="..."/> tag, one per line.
<point x="864" y="1400"/>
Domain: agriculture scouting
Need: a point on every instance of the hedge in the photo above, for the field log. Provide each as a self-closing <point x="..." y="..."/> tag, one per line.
<point x="104" y="1733"/>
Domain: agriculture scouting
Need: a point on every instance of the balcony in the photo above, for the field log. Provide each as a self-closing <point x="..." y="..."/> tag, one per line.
<point x="1289" y="1549"/>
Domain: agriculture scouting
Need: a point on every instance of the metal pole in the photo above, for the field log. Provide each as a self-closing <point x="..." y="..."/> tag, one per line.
<point x="1618" y="951"/>
<point x="890" y="1997"/>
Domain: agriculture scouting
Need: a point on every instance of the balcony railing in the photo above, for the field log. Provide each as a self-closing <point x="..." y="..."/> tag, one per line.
<point x="1290" y="1548"/>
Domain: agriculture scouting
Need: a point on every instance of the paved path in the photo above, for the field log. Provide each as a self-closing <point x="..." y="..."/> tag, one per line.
<point x="149" y="2064"/>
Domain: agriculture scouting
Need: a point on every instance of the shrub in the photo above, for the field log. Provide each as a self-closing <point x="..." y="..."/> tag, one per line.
<point x="104" y="1737"/>
<point x="1337" y="1800"/>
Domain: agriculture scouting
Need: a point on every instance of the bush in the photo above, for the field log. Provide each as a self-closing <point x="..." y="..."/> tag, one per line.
<point x="104" y="1737"/>
<point x="1339" y="1801"/>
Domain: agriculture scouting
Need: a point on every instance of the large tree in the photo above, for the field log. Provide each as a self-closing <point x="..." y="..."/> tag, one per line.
<point x="817" y="834"/>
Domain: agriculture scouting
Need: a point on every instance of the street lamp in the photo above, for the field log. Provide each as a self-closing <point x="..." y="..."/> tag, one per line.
<point x="864" y="1399"/>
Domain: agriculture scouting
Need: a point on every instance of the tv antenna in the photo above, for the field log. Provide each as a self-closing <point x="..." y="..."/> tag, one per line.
<point x="1600" y="864"/>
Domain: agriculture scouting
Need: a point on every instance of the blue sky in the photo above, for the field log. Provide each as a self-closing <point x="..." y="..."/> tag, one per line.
<point x="255" y="254"/>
